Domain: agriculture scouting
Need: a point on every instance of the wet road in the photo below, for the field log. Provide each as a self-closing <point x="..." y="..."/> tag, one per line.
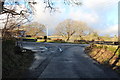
<point x="55" y="60"/>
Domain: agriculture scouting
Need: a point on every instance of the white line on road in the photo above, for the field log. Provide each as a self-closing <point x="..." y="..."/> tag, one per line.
<point x="60" y="49"/>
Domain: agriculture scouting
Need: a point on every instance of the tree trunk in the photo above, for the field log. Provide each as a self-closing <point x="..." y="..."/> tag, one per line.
<point x="114" y="54"/>
<point x="116" y="61"/>
<point x="68" y="39"/>
<point x="98" y="52"/>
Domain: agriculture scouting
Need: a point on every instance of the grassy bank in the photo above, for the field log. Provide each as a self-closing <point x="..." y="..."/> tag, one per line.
<point x="105" y="54"/>
<point x="14" y="62"/>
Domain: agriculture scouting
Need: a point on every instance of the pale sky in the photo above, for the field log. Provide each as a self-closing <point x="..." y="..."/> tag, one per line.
<point x="101" y="15"/>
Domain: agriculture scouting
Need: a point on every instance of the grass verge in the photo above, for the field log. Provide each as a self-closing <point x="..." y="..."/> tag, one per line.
<point x="104" y="54"/>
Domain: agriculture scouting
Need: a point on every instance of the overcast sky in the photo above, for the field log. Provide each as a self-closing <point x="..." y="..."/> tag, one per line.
<point x="99" y="14"/>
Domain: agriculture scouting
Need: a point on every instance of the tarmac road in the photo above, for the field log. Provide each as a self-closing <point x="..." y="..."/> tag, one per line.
<point x="63" y="60"/>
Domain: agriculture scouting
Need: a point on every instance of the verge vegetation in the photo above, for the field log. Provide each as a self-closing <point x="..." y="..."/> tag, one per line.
<point x="107" y="55"/>
<point x="14" y="61"/>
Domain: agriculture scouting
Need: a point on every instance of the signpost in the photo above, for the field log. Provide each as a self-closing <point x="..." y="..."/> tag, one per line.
<point x="45" y="37"/>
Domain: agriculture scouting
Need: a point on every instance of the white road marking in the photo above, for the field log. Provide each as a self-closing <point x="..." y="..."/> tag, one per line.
<point x="60" y="49"/>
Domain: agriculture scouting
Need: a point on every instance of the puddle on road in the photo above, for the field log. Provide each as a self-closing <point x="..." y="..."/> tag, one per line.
<point x="38" y="60"/>
<point x="38" y="56"/>
<point x="42" y="52"/>
<point x="27" y="47"/>
<point x="37" y="48"/>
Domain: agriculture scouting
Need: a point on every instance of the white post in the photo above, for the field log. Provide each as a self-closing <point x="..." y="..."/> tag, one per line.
<point x="47" y="31"/>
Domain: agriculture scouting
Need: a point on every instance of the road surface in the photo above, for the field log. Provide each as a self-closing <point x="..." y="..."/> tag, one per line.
<point x="63" y="60"/>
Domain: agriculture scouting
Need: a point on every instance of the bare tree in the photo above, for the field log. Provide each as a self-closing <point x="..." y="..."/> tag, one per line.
<point x="66" y="29"/>
<point x="34" y="29"/>
<point x="11" y="6"/>
<point x="70" y="27"/>
<point x="29" y="5"/>
<point x="10" y="24"/>
<point x="50" y="4"/>
<point x="13" y="14"/>
<point x="118" y="58"/>
<point x="81" y="28"/>
<point x="23" y="9"/>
